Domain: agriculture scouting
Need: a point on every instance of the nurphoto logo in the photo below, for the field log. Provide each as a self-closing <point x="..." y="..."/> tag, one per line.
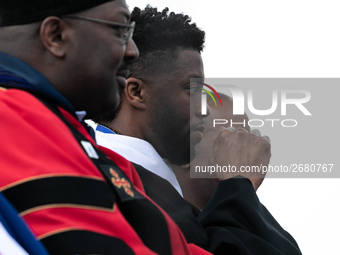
<point x="302" y="96"/>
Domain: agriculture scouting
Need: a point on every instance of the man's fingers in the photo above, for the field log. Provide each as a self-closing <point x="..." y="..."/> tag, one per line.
<point x="266" y="138"/>
<point x="244" y="131"/>
<point x="231" y="129"/>
<point x="241" y="128"/>
<point x="255" y="132"/>
<point x="258" y="134"/>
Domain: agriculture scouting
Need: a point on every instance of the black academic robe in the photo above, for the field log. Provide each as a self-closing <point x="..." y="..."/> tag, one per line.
<point x="233" y="222"/>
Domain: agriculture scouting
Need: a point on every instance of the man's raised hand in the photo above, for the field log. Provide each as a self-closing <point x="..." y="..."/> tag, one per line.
<point x="243" y="153"/>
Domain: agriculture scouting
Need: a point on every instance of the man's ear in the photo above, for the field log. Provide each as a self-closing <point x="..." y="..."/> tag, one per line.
<point x="52" y="36"/>
<point x="135" y="92"/>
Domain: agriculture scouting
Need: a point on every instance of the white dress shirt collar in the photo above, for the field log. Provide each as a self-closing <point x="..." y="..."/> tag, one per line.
<point x="139" y="152"/>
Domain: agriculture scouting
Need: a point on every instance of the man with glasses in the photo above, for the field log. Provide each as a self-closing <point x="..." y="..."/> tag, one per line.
<point x="160" y="114"/>
<point x="59" y="61"/>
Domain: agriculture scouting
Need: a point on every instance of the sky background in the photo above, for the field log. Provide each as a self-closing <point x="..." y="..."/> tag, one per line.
<point x="278" y="39"/>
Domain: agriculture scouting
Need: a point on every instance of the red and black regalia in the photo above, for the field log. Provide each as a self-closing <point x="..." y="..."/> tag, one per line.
<point x="75" y="198"/>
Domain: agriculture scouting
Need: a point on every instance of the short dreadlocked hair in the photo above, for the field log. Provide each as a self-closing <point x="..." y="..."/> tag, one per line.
<point x="160" y="36"/>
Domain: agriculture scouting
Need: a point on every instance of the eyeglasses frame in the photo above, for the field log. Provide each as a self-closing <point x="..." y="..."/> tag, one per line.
<point x="129" y="32"/>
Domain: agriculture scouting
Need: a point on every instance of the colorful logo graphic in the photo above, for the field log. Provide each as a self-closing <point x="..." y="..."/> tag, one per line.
<point x="210" y="93"/>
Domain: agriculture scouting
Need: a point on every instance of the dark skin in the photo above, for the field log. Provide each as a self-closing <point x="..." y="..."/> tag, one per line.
<point x="81" y="59"/>
<point x="199" y="190"/>
<point x="157" y="108"/>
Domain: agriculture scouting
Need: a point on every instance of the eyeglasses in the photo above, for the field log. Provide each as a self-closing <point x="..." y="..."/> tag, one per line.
<point x="126" y="35"/>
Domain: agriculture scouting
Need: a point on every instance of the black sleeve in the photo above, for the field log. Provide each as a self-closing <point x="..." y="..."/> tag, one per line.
<point x="235" y="215"/>
<point x="234" y="222"/>
<point x="182" y="212"/>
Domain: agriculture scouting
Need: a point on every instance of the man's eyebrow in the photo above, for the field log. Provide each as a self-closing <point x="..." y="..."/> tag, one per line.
<point x="126" y="15"/>
<point x="195" y="76"/>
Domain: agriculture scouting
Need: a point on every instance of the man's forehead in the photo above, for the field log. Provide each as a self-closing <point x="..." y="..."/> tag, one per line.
<point x="109" y="11"/>
<point x="189" y="65"/>
<point x="124" y="12"/>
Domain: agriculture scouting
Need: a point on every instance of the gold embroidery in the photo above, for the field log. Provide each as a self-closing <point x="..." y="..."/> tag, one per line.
<point x="37" y="177"/>
<point x="56" y="232"/>
<point x="52" y="206"/>
<point x="121" y="182"/>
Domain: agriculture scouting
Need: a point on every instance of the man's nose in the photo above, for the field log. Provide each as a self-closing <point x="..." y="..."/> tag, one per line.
<point x="131" y="51"/>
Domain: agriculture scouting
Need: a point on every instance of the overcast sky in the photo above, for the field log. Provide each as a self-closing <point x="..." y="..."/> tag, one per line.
<point x="278" y="39"/>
